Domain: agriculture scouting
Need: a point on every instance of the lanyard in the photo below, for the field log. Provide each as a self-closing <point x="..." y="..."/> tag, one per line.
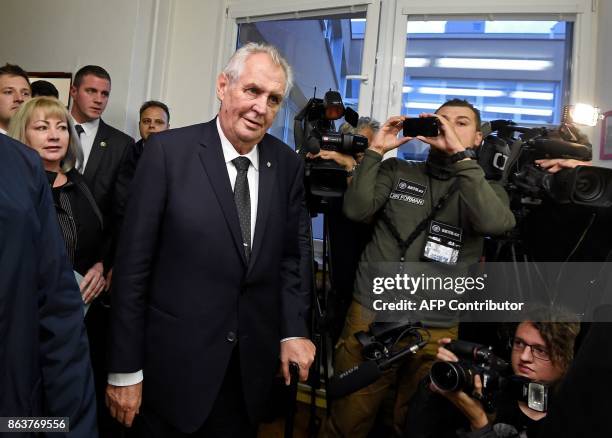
<point x="405" y="244"/>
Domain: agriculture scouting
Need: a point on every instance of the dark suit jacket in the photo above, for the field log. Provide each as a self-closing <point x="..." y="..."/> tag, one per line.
<point x="184" y="294"/>
<point x="126" y="175"/>
<point x="108" y="152"/>
<point x="87" y="219"/>
<point x="44" y="355"/>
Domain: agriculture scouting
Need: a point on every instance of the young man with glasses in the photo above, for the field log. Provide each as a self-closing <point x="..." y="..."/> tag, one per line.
<point x="542" y="352"/>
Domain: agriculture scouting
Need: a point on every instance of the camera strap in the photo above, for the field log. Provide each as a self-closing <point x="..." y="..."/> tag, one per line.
<point x="405" y="244"/>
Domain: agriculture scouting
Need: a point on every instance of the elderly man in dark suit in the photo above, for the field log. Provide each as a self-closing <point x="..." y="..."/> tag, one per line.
<point x="44" y="355"/>
<point x="207" y="295"/>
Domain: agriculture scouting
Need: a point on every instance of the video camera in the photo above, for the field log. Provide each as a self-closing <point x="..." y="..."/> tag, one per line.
<point x="509" y="155"/>
<point x="379" y="348"/>
<point x="314" y="130"/>
<point x="495" y="374"/>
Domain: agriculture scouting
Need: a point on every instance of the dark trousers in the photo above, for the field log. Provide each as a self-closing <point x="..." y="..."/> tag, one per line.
<point x="97" y="323"/>
<point x="227" y="419"/>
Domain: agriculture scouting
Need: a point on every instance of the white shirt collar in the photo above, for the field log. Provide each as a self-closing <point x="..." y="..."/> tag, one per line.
<point x="229" y="152"/>
<point x="89" y="127"/>
<point x="2" y="131"/>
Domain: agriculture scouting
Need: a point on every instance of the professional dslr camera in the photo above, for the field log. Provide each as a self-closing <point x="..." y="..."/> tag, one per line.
<point x="314" y="130"/>
<point x="474" y="359"/>
<point x="510" y="155"/>
<point x="495" y="374"/>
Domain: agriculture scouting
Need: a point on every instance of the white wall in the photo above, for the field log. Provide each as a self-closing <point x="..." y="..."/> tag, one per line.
<point x="64" y="35"/>
<point x="193" y="49"/>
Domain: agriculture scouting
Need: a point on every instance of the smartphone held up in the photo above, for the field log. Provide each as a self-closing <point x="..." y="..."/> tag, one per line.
<point x="424" y="126"/>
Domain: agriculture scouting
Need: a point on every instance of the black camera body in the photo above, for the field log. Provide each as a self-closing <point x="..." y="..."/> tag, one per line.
<point x="474" y="359"/>
<point x="495" y="374"/>
<point x="584" y="185"/>
<point x="379" y="340"/>
<point x="314" y="130"/>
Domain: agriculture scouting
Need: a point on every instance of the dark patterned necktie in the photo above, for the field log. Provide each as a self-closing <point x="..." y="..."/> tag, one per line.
<point x="242" y="198"/>
<point x="81" y="160"/>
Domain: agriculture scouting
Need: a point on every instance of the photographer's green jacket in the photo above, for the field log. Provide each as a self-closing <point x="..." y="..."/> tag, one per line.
<point x="406" y="192"/>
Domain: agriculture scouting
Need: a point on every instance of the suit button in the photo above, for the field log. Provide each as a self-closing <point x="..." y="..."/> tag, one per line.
<point x="231" y="337"/>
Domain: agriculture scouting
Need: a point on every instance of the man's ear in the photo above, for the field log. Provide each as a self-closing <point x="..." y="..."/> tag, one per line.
<point x="222" y="85"/>
<point x="73" y="92"/>
<point x="478" y="139"/>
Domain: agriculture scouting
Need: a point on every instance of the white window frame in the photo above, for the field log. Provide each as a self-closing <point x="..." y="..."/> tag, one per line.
<point x="385" y="38"/>
<point x="262" y="10"/>
<point x="583" y="13"/>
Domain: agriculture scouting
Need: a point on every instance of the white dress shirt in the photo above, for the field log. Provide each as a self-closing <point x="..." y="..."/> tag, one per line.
<point x="2" y="131"/>
<point x="87" y="138"/>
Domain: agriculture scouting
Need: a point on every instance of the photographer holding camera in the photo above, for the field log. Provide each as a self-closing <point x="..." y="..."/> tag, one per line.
<point x="541" y="352"/>
<point x="347" y="238"/>
<point x="449" y="187"/>
<point x="366" y="127"/>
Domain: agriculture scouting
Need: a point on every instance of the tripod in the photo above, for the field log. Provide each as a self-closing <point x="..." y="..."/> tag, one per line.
<point x="319" y="326"/>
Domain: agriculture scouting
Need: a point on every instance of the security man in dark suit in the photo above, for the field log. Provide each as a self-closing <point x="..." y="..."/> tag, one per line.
<point x="104" y="149"/>
<point x="207" y="293"/>
<point x="44" y="354"/>
<point x="154" y="117"/>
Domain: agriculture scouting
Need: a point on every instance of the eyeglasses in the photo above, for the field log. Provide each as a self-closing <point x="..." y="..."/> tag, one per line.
<point x="538" y="351"/>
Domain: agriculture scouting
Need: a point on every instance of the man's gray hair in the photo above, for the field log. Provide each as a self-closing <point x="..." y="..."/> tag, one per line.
<point x="364" y="122"/>
<point x="235" y="65"/>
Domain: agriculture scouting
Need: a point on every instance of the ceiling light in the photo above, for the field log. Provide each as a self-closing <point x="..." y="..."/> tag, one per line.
<point x="461" y="91"/>
<point x="494" y="64"/>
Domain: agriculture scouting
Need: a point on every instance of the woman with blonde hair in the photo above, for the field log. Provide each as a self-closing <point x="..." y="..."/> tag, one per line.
<point x="44" y="125"/>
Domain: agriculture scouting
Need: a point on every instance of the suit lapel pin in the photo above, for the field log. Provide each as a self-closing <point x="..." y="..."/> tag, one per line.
<point x="103" y="144"/>
<point x="269" y="164"/>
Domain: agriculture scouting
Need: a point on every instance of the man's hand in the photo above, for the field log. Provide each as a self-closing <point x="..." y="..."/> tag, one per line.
<point x="124" y="402"/>
<point x="448" y="141"/>
<point x="346" y="161"/>
<point x="553" y="165"/>
<point x="386" y="139"/>
<point x="93" y="283"/>
<point x="444" y="354"/>
<point x="299" y="351"/>
<point x="469" y="406"/>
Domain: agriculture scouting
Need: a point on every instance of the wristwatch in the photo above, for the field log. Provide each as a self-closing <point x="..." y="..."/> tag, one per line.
<point x="349" y="173"/>
<point x="468" y="153"/>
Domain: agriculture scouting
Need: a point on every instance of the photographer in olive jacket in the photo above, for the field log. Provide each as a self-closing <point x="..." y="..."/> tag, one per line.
<point x="404" y="196"/>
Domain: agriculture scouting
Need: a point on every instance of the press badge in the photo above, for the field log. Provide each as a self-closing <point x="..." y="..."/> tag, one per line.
<point x="408" y="191"/>
<point x="443" y="243"/>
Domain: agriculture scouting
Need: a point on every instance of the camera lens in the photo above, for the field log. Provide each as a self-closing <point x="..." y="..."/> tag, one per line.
<point x="448" y="376"/>
<point x="589" y="186"/>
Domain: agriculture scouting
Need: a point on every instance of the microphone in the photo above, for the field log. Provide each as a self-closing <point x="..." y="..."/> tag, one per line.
<point x="365" y="373"/>
<point x="353" y="379"/>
